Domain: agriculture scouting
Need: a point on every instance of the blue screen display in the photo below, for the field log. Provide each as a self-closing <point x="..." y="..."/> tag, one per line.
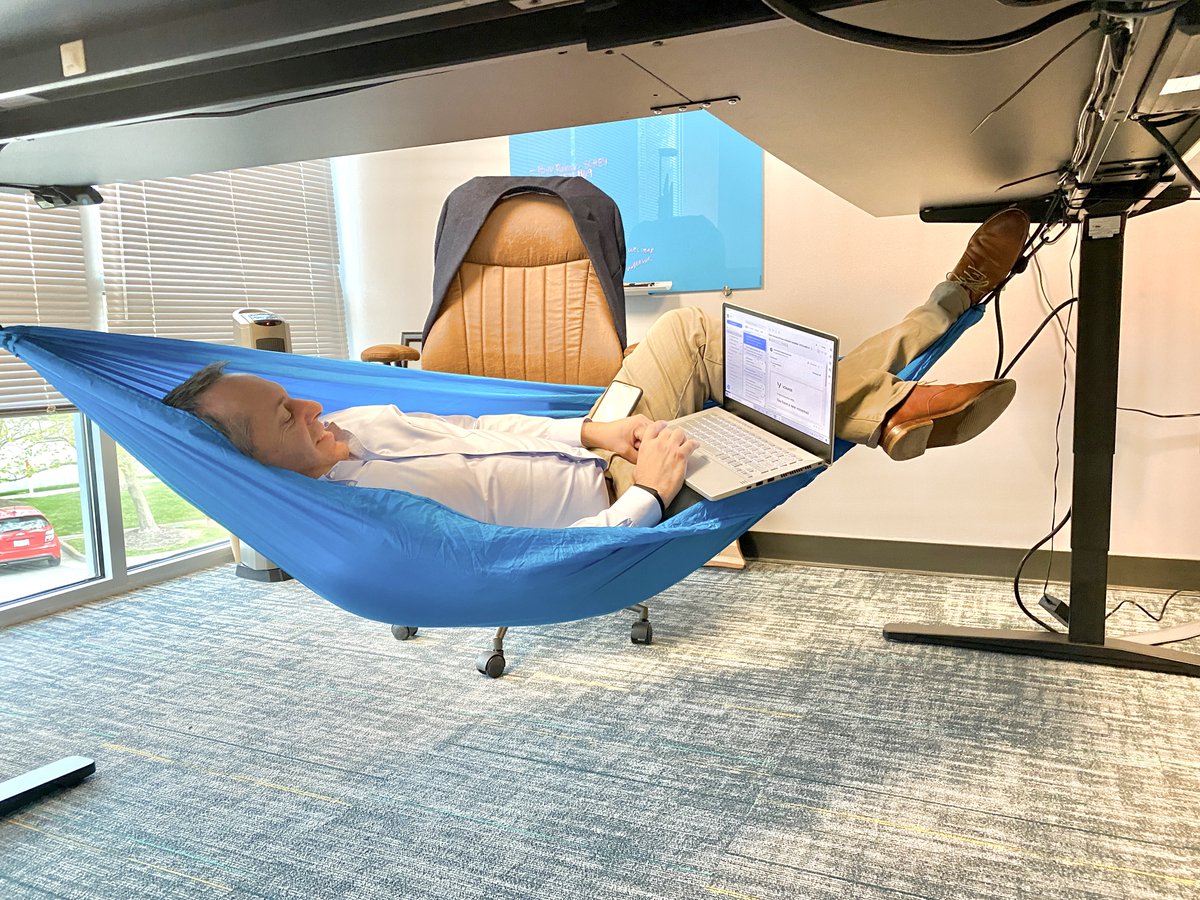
<point x="689" y="187"/>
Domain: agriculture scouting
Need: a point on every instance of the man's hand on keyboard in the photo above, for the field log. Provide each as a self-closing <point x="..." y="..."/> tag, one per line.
<point x="662" y="459"/>
<point x="621" y="437"/>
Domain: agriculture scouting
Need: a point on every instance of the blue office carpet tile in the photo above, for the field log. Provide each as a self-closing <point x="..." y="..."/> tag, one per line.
<point x="254" y="741"/>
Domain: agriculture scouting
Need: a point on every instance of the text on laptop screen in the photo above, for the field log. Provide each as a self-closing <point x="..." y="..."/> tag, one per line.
<point x="782" y="371"/>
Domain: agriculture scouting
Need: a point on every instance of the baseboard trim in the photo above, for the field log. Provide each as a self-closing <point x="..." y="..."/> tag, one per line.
<point x="954" y="559"/>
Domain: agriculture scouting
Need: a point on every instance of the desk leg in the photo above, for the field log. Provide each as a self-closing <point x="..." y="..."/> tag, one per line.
<point x="1096" y="365"/>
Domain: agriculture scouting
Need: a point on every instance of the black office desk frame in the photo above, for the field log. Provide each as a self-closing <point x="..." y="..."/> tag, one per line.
<point x="1102" y="247"/>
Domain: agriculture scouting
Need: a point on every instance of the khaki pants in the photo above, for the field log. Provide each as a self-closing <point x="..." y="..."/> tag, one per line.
<point x="679" y="366"/>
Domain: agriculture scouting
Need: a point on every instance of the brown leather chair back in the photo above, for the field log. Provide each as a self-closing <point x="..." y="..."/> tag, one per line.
<point x="526" y="302"/>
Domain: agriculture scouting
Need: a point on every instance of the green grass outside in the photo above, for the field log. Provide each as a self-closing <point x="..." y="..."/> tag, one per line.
<point x="63" y="511"/>
<point x="4" y="495"/>
<point x="204" y="532"/>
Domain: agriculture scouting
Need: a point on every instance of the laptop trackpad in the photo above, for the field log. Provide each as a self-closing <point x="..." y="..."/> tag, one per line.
<point x="710" y="478"/>
<point x="698" y="461"/>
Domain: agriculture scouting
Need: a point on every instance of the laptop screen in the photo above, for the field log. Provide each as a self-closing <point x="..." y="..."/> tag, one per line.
<point x="782" y="371"/>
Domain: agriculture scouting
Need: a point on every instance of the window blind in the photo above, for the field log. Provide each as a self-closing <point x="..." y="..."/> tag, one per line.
<point x="181" y="254"/>
<point x="42" y="282"/>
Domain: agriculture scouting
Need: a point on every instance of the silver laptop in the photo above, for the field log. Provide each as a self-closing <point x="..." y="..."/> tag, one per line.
<point x="777" y="418"/>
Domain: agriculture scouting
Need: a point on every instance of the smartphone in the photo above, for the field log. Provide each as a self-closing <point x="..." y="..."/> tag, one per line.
<point x="618" y="402"/>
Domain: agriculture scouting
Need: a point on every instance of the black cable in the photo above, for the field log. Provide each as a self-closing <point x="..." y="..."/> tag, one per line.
<point x="271" y="104"/>
<point x="1045" y="298"/>
<point x="1046" y="321"/>
<point x="999" y="335"/>
<point x="1071" y="269"/>
<point x="1162" y="612"/>
<point x="1062" y="404"/>
<point x="43" y="188"/>
<point x="1057" y="172"/>
<point x="1032" y="245"/>
<point x="1067" y="347"/>
<point x="1172" y="154"/>
<point x="792" y="9"/>
<point x="1025" y="559"/>
<point x="1166" y="120"/>
<point x="1040" y="69"/>
<point x="1147" y="12"/>
<point x="1055" y="528"/>
<point x="1146" y="412"/>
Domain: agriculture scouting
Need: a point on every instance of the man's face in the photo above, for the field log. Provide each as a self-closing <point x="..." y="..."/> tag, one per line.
<point x="284" y="431"/>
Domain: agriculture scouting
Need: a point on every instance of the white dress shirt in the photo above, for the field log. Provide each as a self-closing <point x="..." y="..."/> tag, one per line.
<point x="525" y="471"/>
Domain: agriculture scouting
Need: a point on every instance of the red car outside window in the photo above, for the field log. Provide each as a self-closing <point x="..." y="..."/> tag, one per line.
<point x="26" y="534"/>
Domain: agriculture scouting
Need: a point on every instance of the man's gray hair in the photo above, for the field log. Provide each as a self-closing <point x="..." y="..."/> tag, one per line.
<point x="189" y="396"/>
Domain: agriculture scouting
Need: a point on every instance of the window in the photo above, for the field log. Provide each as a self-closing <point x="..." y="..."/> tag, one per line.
<point x="42" y="281"/>
<point x="181" y="254"/>
<point x="46" y="528"/>
<point x="169" y="258"/>
<point x="157" y="522"/>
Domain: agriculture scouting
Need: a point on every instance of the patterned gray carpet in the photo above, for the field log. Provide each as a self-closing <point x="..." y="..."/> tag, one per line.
<point x="255" y="741"/>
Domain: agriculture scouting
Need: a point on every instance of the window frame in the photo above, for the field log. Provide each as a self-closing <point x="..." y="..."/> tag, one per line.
<point x="100" y="491"/>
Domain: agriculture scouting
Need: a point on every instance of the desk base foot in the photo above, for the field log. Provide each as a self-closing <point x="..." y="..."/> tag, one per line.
<point x="1113" y="652"/>
<point x="24" y="789"/>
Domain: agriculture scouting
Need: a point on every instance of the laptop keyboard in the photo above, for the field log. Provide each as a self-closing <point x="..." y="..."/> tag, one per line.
<point x="738" y="448"/>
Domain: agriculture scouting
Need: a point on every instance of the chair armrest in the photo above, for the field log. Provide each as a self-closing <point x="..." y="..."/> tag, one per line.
<point x="390" y="354"/>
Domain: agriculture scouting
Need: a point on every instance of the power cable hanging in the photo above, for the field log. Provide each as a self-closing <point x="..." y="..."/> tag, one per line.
<point x="1158" y="415"/>
<point x="1046" y="321"/>
<point x="1062" y="404"/>
<point x="1145" y="12"/>
<point x="1092" y="26"/>
<point x="794" y="10"/>
<point x="1162" y="611"/>
<point x="1041" y="239"/>
<point x="1026" y="4"/>
<point x="1017" y="578"/>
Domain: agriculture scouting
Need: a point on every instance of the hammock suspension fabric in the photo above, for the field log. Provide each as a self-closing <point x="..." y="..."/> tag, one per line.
<point x="380" y="554"/>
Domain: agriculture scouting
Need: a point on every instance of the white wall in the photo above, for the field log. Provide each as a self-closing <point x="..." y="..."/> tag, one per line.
<point x="831" y="266"/>
<point x="388" y="206"/>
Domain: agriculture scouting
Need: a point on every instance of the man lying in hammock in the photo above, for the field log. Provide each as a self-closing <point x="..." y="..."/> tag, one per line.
<point x="530" y="471"/>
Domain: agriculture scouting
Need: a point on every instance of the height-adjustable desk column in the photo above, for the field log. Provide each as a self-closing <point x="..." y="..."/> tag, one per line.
<point x="1096" y="364"/>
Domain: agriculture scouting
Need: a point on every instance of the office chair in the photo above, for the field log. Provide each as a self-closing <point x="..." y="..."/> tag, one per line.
<point x="527" y="301"/>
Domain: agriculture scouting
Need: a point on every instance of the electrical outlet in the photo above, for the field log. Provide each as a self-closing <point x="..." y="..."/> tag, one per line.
<point x="74" y="62"/>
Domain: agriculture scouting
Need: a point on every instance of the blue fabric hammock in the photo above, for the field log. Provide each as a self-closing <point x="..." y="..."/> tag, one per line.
<point x="381" y="554"/>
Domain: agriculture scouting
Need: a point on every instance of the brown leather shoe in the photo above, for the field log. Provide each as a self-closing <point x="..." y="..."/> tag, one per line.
<point x="991" y="252"/>
<point x="941" y="415"/>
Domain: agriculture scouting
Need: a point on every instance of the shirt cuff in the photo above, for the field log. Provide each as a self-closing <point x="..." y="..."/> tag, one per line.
<point x="639" y="507"/>
<point x="565" y="431"/>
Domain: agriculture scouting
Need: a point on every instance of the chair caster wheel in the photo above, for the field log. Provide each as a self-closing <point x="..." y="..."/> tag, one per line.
<point x="642" y="633"/>
<point x="404" y="632"/>
<point x="490" y="664"/>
